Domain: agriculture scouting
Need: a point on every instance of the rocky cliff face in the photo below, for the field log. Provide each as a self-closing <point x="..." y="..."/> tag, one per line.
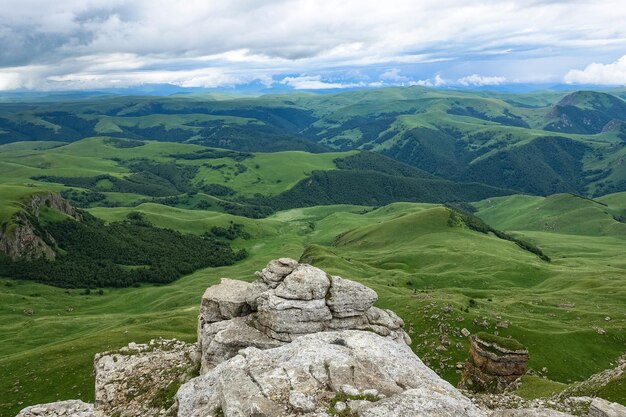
<point x="296" y="342"/>
<point x="21" y="239"/>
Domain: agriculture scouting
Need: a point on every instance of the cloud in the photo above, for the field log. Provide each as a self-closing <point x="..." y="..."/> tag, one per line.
<point x="314" y="82"/>
<point x="51" y="45"/>
<point x="479" y="80"/>
<point x="473" y="80"/>
<point x="393" y="75"/>
<point x="596" y="73"/>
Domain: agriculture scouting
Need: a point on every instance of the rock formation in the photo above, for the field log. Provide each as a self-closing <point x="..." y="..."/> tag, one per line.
<point x="604" y="408"/>
<point x="69" y="408"/>
<point x="21" y="238"/>
<point x="140" y="379"/>
<point x="320" y="374"/>
<point x="296" y="342"/>
<point x="494" y="363"/>
<point x="287" y="300"/>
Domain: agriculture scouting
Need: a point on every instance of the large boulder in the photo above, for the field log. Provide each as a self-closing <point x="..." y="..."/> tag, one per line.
<point x="305" y="283"/>
<point x="361" y="370"/>
<point x="349" y="298"/>
<point x="226" y="300"/>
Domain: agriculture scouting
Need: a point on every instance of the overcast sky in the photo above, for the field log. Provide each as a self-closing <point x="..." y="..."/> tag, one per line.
<point x="308" y="44"/>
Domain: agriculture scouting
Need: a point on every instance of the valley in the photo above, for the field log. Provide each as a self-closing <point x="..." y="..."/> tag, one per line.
<point x="385" y="186"/>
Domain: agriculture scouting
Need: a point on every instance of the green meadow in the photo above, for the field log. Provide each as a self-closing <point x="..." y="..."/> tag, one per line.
<point x="409" y="253"/>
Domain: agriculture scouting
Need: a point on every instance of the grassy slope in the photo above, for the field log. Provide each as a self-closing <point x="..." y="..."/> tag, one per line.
<point x="268" y="173"/>
<point x="561" y="213"/>
<point x="407" y="252"/>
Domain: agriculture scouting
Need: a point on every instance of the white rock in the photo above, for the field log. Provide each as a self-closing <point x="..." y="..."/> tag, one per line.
<point x="349" y="298"/>
<point x="305" y="283"/>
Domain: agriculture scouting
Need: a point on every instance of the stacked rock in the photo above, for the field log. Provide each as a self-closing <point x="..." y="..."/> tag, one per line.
<point x="288" y="300"/>
<point x="493" y="364"/>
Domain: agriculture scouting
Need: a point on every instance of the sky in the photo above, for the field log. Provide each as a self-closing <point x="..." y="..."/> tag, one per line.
<point x="309" y="45"/>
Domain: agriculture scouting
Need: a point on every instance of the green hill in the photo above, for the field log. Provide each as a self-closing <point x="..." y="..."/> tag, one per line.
<point x="560" y="213"/>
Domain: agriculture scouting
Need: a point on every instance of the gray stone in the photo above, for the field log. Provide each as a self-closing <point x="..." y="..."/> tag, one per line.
<point x="226" y="300"/>
<point x="68" y="408"/>
<point x="318" y="366"/>
<point x="603" y="408"/>
<point x="529" y="412"/>
<point x="276" y="270"/>
<point x="223" y="340"/>
<point x="301" y="402"/>
<point x="292" y="316"/>
<point x="349" y="298"/>
<point x="422" y="401"/>
<point x="305" y="283"/>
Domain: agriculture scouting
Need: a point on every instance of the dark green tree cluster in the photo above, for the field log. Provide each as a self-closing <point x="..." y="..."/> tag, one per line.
<point x="92" y="254"/>
<point x="232" y="232"/>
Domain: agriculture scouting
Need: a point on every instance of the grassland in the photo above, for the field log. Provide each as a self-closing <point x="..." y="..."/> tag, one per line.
<point x="408" y="253"/>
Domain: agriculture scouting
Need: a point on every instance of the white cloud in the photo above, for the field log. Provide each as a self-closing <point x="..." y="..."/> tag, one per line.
<point x="394" y="76"/>
<point x="473" y="80"/>
<point x="479" y="80"/>
<point x="596" y="73"/>
<point x="314" y="82"/>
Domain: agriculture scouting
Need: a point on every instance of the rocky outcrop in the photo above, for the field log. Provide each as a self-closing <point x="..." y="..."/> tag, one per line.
<point x="494" y="363"/>
<point x="288" y="300"/>
<point x="353" y="372"/>
<point x="141" y="379"/>
<point x="21" y="238"/>
<point x="604" y="408"/>
<point x="68" y="408"/>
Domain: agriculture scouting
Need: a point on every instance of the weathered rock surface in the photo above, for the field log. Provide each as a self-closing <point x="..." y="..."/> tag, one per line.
<point x="349" y="298"/>
<point x="301" y="378"/>
<point x="529" y="412"/>
<point x="604" y="408"/>
<point x="139" y="380"/>
<point x="492" y="367"/>
<point x="68" y="408"/>
<point x="287" y="301"/>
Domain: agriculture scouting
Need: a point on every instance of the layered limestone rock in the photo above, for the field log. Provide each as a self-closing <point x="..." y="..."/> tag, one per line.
<point x="288" y="300"/>
<point x="68" y="408"/>
<point x="353" y="372"/>
<point x="140" y="379"/>
<point x="494" y="363"/>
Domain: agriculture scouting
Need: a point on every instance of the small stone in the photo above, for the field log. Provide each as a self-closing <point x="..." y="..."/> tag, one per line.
<point x="301" y="402"/>
<point x="373" y="392"/>
<point x="349" y="390"/>
<point x="340" y="407"/>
